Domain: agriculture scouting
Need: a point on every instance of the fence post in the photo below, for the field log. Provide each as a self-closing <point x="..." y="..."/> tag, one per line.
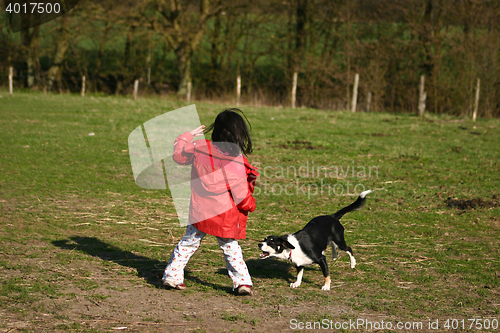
<point x="189" y="85"/>
<point x="422" y="96"/>
<point x="355" y="93"/>
<point x="476" y="104"/>
<point x="136" y="88"/>
<point x="83" y="85"/>
<point x="294" y="89"/>
<point x="11" y="77"/>
<point x="369" y="101"/>
<point x="238" y="90"/>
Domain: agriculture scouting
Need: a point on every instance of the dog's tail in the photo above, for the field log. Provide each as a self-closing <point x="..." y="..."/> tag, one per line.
<point x="356" y="205"/>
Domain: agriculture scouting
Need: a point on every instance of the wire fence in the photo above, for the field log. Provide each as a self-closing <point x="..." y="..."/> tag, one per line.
<point x="277" y="95"/>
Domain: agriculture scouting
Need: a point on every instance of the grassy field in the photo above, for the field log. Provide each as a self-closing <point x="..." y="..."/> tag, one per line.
<point x="82" y="247"/>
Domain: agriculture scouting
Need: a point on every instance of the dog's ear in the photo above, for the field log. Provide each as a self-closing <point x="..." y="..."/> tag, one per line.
<point x="286" y="243"/>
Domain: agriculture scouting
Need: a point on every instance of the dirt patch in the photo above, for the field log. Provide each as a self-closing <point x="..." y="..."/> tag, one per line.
<point x="299" y="144"/>
<point x="381" y="134"/>
<point x="472" y="203"/>
<point x="105" y="295"/>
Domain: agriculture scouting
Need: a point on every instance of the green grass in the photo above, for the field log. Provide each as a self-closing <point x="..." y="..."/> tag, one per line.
<point x="72" y="217"/>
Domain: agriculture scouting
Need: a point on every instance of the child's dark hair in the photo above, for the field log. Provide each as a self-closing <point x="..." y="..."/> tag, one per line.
<point x="229" y="126"/>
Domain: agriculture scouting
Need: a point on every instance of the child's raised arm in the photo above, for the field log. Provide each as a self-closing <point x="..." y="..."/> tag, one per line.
<point x="198" y="131"/>
<point x="184" y="148"/>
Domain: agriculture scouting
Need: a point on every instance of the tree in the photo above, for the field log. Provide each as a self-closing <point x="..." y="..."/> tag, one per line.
<point x="54" y="72"/>
<point x="30" y="53"/>
<point x="184" y="31"/>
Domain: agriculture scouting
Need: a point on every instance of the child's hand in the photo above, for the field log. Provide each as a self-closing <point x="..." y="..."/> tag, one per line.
<point x="252" y="177"/>
<point x="251" y="181"/>
<point x="198" y="131"/>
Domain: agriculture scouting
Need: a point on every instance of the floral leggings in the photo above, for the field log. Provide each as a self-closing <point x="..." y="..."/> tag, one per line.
<point x="236" y="267"/>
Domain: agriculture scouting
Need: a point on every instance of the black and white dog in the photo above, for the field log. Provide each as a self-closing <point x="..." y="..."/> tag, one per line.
<point x="308" y="245"/>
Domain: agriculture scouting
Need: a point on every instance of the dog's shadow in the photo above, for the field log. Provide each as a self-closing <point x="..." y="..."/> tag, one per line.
<point x="151" y="270"/>
<point x="271" y="269"/>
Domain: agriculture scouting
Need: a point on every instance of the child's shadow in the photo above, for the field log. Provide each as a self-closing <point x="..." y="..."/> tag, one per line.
<point x="151" y="270"/>
<point x="147" y="268"/>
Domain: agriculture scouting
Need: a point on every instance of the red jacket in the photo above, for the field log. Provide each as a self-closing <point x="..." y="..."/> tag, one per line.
<point x="221" y="187"/>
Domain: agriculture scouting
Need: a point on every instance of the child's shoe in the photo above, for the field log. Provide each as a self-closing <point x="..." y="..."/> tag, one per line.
<point x="170" y="284"/>
<point x="245" y="290"/>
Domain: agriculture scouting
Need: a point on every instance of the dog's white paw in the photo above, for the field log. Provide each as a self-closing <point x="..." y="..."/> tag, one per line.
<point x="325" y="287"/>
<point x="353" y="262"/>
<point x="295" y="285"/>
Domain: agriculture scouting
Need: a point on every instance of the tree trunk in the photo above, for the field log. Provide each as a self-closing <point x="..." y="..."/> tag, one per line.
<point x="183" y="54"/>
<point x="101" y="50"/>
<point x="297" y="37"/>
<point x="301" y="33"/>
<point x="54" y="72"/>
<point x="183" y="36"/>
<point x="128" y="47"/>
<point x="214" y="56"/>
<point x="30" y="45"/>
<point x="124" y="75"/>
<point x="290" y="40"/>
<point x="214" y="81"/>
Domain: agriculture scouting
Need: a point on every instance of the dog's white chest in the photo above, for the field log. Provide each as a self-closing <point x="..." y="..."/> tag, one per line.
<point x="298" y="257"/>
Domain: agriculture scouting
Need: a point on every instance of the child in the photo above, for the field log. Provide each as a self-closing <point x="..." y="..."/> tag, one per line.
<point x="220" y="196"/>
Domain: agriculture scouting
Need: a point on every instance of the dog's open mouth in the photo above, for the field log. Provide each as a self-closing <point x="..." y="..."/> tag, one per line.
<point x="264" y="255"/>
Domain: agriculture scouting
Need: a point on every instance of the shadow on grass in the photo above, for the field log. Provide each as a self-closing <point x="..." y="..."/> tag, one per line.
<point x="147" y="268"/>
<point x="151" y="270"/>
<point x="271" y="269"/>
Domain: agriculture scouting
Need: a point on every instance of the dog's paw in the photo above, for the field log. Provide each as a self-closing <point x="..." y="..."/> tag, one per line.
<point x="353" y="262"/>
<point x="325" y="287"/>
<point x="295" y="285"/>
